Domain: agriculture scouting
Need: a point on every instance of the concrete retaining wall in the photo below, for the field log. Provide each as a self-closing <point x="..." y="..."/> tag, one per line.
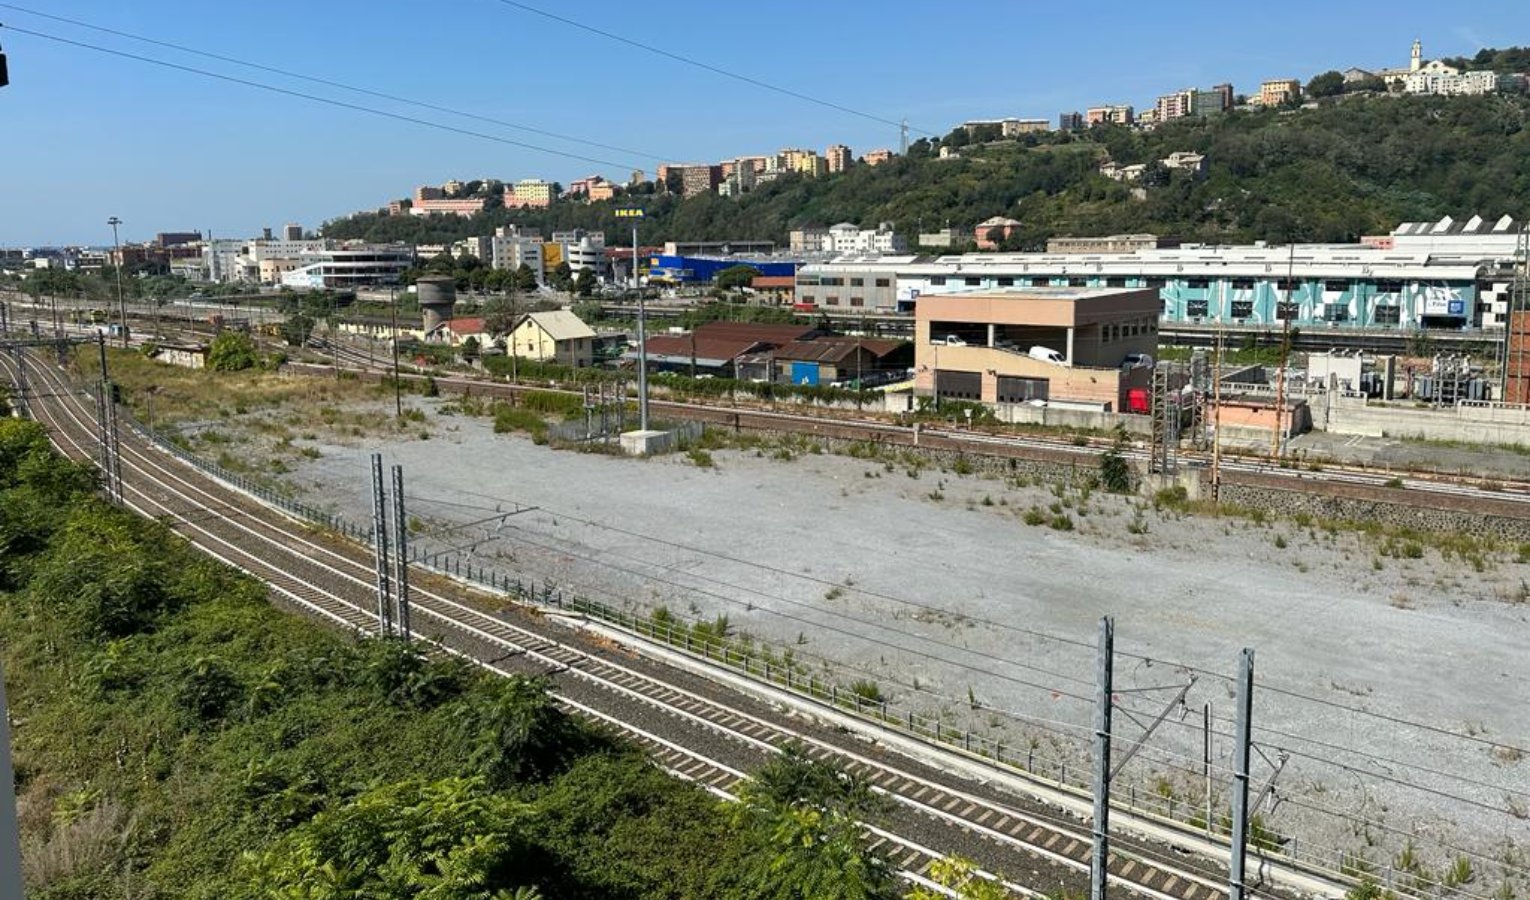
<point x="1472" y="424"/>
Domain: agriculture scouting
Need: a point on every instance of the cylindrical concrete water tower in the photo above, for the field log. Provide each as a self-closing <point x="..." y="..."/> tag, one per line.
<point x="437" y="298"/>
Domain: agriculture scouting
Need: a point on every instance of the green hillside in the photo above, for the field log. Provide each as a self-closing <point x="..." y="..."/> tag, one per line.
<point x="1357" y="164"/>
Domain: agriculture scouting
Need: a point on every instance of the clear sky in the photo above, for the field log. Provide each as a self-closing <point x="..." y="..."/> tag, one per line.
<point x="85" y="136"/>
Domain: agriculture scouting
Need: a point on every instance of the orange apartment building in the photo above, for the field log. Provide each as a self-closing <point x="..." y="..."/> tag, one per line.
<point x="976" y="345"/>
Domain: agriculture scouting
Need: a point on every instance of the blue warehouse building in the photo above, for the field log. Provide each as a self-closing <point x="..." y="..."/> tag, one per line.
<point x="704" y="269"/>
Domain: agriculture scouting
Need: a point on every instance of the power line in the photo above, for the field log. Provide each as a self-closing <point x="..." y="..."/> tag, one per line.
<point x="1339" y="748"/>
<point x="1400" y="782"/>
<point x="327" y="82"/>
<point x="818" y="624"/>
<point x="830" y="613"/>
<point x="716" y="70"/>
<point x="1410" y="834"/>
<point x="330" y="101"/>
<point x="776" y="570"/>
<point x="1398" y="720"/>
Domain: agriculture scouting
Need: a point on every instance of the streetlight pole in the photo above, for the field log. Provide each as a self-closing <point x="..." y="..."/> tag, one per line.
<point x="633" y="213"/>
<point x="121" y="303"/>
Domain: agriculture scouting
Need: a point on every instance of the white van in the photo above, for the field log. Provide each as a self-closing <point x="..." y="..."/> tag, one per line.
<point x="1047" y="354"/>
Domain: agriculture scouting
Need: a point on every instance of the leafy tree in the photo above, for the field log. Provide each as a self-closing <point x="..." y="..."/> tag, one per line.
<point x="514" y="732"/>
<point x="1328" y="84"/>
<point x="1115" y="471"/>
<point x="210" y="690"/>
<point x="232" y="351"/>
<point x="403" y="675"/>
<point x="470" y="348"/>
<point x="525" y="279"/>
<point x="793" y="778"/>
<point x="296" y="329"/>
<point x="585" y="283"/>
<point x="500" y="314"/>
<point x="735" y="277"/>
<point x="562" y="277"/>
<point x="808" y="812"/>
<point x="96" y="580"/>
<point x="450" y="839"/>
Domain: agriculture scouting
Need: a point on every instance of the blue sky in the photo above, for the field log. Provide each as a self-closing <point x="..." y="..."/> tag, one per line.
<point x="84" y="136"/>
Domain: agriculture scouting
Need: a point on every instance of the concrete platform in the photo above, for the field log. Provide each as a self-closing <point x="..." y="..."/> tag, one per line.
<point x="647" y="443"/>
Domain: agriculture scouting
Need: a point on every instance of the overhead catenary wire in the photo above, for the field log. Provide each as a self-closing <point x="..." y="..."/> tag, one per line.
<point x="878" y="595"/>
<point x="1265" y="730"/>
<point x="817" y="624"/>
<point x="1400" y="782"/>
<point x="1191" y="765"/>
<point x="708" y="67"/>
<point x="830" y="613"/>
<point x="550" y="576"/>
<point x="1410" y="833"/>
<point x="803" y="576"/>
<point x="316" y="98"/>
<point x="313" y="79"/>
<point x="1397" y="720"/>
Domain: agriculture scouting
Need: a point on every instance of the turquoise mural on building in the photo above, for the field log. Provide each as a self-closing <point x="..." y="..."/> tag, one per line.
<point x="1314" y="302"/>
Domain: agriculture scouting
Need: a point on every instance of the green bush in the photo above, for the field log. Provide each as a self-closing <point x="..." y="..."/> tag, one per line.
<point x="232" y="351"/>
<point x="508" y="419"/>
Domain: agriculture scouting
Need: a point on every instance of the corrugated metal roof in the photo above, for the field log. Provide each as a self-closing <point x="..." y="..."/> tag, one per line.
<point x="777" y="335"/>
<point x="706" y="350"/>
<point x="833" y="349"/>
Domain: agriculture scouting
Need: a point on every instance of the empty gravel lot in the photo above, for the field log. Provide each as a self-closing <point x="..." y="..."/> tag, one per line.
<point x="932" y="584"/>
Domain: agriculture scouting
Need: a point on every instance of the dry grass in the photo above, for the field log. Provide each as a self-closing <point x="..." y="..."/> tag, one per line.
<point x="91" y="842"/>
<point x="186" y="395"/>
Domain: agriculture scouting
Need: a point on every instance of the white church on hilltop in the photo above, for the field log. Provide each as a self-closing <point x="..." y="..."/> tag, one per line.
<point x="1435" y="77"/>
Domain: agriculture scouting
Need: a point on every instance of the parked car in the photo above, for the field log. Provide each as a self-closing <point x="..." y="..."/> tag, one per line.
<point x="1047" y="354"/>
<point x="1137" y="361"/>
<point x="949" y="340"/>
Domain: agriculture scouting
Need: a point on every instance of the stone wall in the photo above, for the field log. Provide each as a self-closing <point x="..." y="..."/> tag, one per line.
<point x="1396" y="507"/>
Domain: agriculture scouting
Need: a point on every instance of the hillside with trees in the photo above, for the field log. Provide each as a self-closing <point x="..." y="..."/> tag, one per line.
<point x="1356" y="163"/>
<point x="176" y="736"/>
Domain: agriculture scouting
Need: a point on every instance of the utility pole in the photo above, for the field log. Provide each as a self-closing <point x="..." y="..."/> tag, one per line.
<point x="1236" y="889"/>
<point x="1099" y="866"/>
<point x="10" y="830"/>
<point x="121" y="303"/>
<point x="1206" y="759"/>
<point x="642" y="337"/>
<point x="401" y="553"/>
<point x="106" y="426"/>
<point x="1285" y="348"/>
<point x="1216" y="423"/>
<point x="380" y="544"/>
<point x="398" y="400"/>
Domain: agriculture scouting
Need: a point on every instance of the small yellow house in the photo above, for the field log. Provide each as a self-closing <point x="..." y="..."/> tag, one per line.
<point x="553" y="336"/>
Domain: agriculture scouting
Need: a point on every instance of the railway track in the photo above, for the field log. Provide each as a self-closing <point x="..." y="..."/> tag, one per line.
<point x="694" y="728"/>
<point x="1497" y="495"/>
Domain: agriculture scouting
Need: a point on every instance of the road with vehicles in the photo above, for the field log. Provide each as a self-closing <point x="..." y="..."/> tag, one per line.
<point x="1030" y="835"/>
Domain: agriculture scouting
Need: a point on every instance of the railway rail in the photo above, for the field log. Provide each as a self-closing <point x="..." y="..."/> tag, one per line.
<point x="694" y="727"/>
<point x="1488" y="495"/>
